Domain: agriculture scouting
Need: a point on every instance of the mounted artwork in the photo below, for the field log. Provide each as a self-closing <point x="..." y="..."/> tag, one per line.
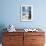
<point x="26" y="12"/>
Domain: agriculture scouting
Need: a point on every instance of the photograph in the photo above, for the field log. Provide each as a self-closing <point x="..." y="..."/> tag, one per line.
<point x="26" y="13"/>
<point x="22" y="22"/>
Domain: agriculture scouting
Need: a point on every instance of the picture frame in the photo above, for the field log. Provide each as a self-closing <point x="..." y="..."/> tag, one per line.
<point x="26" y="12"/>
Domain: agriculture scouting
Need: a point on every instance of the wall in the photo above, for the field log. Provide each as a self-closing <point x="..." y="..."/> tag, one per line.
<point x="10" y="13"/>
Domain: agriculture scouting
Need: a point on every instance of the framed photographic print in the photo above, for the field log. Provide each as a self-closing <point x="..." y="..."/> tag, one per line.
<point x="26" y="13"/>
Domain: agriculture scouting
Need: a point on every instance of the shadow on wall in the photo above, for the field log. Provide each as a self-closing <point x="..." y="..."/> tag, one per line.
<point x="2" y="26"/>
